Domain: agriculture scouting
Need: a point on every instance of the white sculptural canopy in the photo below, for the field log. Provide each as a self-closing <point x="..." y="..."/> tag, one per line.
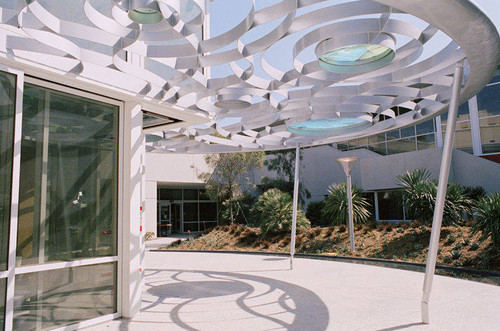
<point x="289" y="72"/>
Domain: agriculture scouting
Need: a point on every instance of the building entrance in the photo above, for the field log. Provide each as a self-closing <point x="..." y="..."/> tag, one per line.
<point x="169" y="218"/>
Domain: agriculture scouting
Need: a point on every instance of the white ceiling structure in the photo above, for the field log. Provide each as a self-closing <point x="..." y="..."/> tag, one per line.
<point x="273" y="86"/>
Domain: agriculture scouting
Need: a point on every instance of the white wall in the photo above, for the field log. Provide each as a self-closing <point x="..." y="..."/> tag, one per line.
<point x="175" y="168"/>
<point x="172" y="170"/>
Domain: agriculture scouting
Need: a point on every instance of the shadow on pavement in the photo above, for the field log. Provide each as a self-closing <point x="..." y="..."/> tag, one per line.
<point x="254" y="299"/>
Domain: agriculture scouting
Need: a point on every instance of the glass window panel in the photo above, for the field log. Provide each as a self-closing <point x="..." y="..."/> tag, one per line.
<point x="425" y="142"/>
<point x="390" y="205"/>
<point x="426" y="127"/>
<point x="401" y="146"/>
<point x="208" y="211"/>
<point x="55" y="298"/>
<point x="463" y="137"/>
<point x="68" y="186"/>
<point x="190" y="211"/>
<point x="463" y="113"/>
<point x="362" y="142"/>
<point x="193" y="227"/>
<point x="393" y="135"/>
<point x="376" y="138"/>
<point x="190" y="194"/>
<point x="490" y="134"/>
<point x="207" y="225"/>
<point x="170" y="194"/>
<point x="408" y="132"/>
<point x="7" y="112"/>
<point x="3" y="289"/>
<point x="343" y="146"/>
<point x="204" y="195"/>
<point x="488" y="102"/>
<point x="379" y="148"/>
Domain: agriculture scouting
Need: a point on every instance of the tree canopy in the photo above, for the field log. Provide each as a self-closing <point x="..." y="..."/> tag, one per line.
<point x="229" y="172"/>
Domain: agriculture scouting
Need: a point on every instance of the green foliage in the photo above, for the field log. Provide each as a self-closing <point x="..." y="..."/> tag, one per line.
<point x="455" y="255"/>
<point x="275" y="209"/>
<point x="488" y="218"/>
<point x="314" y="214"/>
<point x="474" y="246"/>
<point x="229" y="172"/>
<point x="283" y="163"/>
<point x="242" y="205"/>
<point x="336" y="211"/>
<point x="418" y="194"/>
<point x="420" y="198"/>
<point x="450" y="239"/>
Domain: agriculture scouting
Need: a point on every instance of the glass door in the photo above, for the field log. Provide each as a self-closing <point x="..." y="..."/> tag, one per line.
<point x="176" y="217"/>
<point x="164" y="226"/>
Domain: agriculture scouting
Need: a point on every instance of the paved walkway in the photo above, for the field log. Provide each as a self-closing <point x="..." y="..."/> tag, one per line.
<point x="204" y="291"/>
<point x="163" y="241"/>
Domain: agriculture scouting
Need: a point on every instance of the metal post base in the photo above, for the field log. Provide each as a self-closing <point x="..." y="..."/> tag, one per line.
<point x="425" y="308"/>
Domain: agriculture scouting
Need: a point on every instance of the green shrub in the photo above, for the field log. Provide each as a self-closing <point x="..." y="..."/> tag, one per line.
<point x="455" y="255"/>
<point x="335" y="210"/>
<point x="420" y="197"/>
<point x="242" y="205"/>
<point x="447" y="259"/>
<point x="450" y="239"/>
<point x="474" y="246"/>
<point x="275" y="209"/>
<point x="488" y="219"/>
<point x="313" y="213"/>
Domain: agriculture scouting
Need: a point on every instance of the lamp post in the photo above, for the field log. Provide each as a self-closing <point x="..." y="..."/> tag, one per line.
<point x="347" y="163"/>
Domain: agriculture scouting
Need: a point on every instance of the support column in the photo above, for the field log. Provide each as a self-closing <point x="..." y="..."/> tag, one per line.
<point x="375" y="202"/>
<point x="441" y="192"/>
<point x="295" y="204"/>
<point x="132" y="205"/>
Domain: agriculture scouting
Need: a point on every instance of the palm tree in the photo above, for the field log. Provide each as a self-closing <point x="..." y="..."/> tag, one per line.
<point x="336" y="205"/>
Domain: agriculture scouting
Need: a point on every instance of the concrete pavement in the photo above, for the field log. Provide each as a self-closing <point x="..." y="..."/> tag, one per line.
<point x="207" y="291"/>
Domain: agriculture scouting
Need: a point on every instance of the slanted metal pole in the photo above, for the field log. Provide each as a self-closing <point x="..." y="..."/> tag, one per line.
<point x="441" y="192"/>
<point x="295" y="205"/>
<point x="349" y="203"/>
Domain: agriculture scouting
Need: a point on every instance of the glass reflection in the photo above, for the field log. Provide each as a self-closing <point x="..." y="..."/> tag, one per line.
<point x="68" y="186"/>
<point x="490" y="134"/>
<point x="7" y="111"/>
<point x="3" y="288"/>
<point x="61" y="297"/>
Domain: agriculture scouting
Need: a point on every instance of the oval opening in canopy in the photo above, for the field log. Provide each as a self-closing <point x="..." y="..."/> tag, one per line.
<point x="329" y="126"/>
<point x="356" y="58"/>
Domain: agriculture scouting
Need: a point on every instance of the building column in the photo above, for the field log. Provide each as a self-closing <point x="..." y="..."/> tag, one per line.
<point x="151" y="208"/>
<point x="133" y="208"/>
<point x="477" y="148"/>
<point x="375" y="202"/>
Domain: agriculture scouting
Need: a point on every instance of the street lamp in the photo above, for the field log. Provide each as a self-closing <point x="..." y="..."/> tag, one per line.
<point x="347" y="163"/>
